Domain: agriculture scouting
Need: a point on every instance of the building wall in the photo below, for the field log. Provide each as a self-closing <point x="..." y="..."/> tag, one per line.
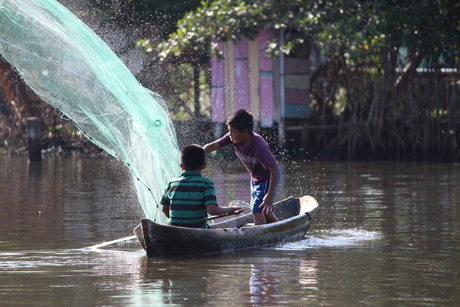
<point x="297" y="88"/>
<point x="246" y="78"/>
<point x="265" y="84"/>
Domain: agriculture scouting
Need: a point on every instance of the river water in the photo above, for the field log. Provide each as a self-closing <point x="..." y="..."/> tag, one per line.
<point x="386" y="234"/>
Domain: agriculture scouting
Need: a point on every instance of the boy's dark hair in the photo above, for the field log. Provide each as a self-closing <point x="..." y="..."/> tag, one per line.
<point x="193" y="157"/>
<point x="241" y="120"/>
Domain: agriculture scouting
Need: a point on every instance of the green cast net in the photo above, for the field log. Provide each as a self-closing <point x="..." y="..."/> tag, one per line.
<point x="73" y="70"/>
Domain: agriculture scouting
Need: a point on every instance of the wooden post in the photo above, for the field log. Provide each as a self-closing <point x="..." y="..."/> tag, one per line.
<point x="282" y="122"/>
<point x="34" y="142"/>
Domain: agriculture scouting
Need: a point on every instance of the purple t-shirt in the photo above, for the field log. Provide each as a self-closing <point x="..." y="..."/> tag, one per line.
<point x="257" y="157"/>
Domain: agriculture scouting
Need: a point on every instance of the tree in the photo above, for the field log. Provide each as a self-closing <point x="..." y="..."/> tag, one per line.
<point x="373" y="49"/>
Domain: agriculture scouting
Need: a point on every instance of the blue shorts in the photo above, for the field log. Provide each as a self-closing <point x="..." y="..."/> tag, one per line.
<point x="258" y="192"/>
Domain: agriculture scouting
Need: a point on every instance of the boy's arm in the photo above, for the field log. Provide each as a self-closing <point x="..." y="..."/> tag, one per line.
<point x="216" y="210"/>
<point x="267" y="203"/>
<point x="210" y="147"/>
<point x="165" y="211"/>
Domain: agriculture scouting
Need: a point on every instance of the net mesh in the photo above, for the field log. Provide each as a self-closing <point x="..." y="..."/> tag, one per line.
<point x="73" y="70"/>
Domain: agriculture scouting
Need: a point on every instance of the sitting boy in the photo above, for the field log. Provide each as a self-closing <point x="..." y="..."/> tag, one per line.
<point x="189" y="198"/>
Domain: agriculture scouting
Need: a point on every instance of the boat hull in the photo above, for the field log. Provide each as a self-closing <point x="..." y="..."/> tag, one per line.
<point x="164" y="241"/>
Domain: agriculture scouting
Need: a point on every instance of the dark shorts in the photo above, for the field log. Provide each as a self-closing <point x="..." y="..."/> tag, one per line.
<point x="258" y="192"/>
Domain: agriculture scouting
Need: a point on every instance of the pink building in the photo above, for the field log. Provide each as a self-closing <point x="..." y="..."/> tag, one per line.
<point x="246" y="78"/>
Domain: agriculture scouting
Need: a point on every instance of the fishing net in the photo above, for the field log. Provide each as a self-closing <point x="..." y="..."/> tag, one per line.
<point x="73" y="70"/>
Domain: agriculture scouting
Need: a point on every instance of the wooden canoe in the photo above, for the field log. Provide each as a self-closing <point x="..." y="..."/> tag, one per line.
<point x="164" y="241"/>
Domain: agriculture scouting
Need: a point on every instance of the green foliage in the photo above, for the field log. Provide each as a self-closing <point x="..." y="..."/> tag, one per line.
<point x="198" y="30"/>
<point x="144" y="45"/>
<point x="230" y="20"/>
<point x="373" y="49"/>
<point x="430" y="26"/>
<point x="358" y="30"/>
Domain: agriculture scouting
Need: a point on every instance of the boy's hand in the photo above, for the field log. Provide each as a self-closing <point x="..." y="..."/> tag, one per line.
<point x="267" y="204"/>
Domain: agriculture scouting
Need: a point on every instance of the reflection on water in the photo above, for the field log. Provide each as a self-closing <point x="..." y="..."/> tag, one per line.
<point x="386" y="234"/>
<point x="262" y="284"/>
<point x="175" y="282"/>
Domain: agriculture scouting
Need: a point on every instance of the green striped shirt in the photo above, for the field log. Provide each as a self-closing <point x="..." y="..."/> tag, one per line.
<point x="187" y="197"/>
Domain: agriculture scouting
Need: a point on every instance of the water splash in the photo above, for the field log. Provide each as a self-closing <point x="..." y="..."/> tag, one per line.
<point x="333" y="238"/>
<point x="73" y="70"/>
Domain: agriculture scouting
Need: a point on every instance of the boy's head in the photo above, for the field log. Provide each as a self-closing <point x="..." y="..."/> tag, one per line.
<point x="192" y="158"/>
<point x="241" y="120"/>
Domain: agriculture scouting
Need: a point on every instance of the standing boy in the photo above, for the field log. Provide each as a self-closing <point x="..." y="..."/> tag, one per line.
<point x="254" y="153"/>
<point x="189" y="198"/>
